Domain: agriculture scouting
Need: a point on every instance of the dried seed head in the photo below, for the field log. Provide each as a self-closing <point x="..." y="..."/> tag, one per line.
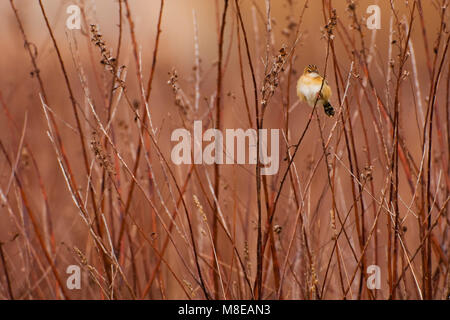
<point x="272" y="77"/>
<point x="100" y="154"/>
<point x="200" y="208"/>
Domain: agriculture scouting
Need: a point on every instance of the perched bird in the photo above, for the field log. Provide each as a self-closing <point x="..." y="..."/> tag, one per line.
<point x="308" y="87"/>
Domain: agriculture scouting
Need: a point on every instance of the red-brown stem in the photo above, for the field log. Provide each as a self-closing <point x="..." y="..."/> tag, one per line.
<point x="36" y="227"/>
<point x="149" y="87"/>
<point x="218" y="125"/>
<point x="5" y="269"/>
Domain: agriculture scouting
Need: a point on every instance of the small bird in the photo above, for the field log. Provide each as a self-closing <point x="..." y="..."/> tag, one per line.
<point x="308" y="87"/>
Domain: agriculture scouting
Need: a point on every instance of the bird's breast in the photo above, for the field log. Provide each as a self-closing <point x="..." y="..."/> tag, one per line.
<point x="308" y="88"/>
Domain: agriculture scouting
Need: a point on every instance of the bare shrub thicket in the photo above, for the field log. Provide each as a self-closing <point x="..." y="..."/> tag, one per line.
<point x="86" y="176"/>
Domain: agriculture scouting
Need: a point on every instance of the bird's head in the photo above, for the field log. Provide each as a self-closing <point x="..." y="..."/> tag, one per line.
<point x="311" y="69"/>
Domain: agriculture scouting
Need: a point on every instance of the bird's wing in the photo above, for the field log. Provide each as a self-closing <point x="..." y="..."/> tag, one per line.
<point x="301" y="96"/>
<point x="326" y="91"/>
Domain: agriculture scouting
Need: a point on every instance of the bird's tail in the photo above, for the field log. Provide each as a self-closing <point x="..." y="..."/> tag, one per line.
<point x="329" y="110"/>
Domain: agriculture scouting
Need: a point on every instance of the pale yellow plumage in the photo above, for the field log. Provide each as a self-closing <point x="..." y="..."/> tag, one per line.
<point x="308" y="87"/>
